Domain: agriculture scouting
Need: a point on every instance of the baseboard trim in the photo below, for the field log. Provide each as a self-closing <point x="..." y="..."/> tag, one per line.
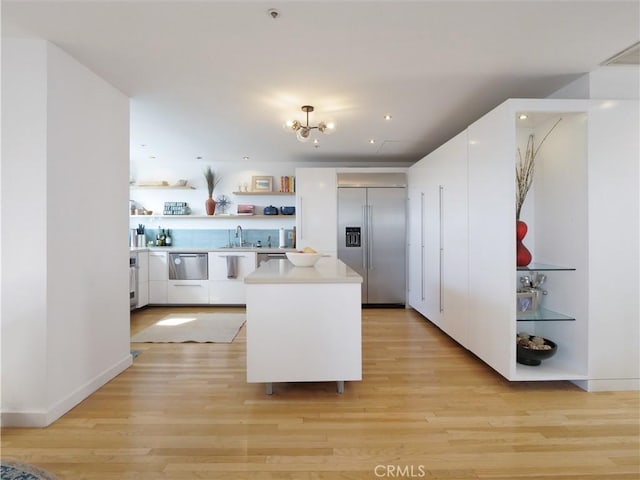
<point x="46" y="418"/>
<point x="609" y="385"/>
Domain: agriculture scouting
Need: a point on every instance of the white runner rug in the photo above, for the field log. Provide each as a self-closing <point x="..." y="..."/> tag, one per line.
<point x="195" y="327"/>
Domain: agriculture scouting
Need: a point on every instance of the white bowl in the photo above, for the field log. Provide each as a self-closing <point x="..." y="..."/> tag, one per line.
<point x="303" y="259"/>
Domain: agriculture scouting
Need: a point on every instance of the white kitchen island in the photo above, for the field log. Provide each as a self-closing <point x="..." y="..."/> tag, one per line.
<point x="304" y="323"/>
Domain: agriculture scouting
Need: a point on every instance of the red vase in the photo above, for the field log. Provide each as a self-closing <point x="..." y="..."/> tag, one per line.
<point x="523" y="256"/>
<point x="210" y="205"/>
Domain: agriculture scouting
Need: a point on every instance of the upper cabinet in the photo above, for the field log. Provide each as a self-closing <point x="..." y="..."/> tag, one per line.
<point x="316" y="209"/>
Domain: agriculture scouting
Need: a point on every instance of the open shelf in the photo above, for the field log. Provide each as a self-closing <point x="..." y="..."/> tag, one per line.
<point x="548" y="370"/>
<point x="162" y="187"/>
<point x="264" y="193"/>
<point x="542" y="315"/>
<point x="214" y="217"/>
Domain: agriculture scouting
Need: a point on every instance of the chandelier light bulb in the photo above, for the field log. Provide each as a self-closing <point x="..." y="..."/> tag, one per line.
<point x="303" y="134"/>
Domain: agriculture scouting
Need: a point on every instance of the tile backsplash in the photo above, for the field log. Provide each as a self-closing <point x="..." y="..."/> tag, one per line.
<point x="199" y="238"/>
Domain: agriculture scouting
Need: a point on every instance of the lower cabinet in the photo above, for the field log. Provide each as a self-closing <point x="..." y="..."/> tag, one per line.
<point x="158" y="277"/>
<point x="143" y="279"/>
<point x="226" y="276"/>
<point x="188" y="292"/>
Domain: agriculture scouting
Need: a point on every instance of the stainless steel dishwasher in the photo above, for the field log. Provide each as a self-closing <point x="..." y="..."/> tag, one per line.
<point x="188" y="266"/>
<point x="265" y="257"/>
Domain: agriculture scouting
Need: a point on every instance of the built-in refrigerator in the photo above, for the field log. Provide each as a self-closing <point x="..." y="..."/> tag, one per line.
<point x="372" y="233"/>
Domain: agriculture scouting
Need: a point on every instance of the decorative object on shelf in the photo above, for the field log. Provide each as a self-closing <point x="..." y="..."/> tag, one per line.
<point x="223" y="203"/>
<point x="261" y="184"/>
<point x="523" y="255"/>
<point x="303" y="131"/>
<point x="287" y="184"/>
<point x="525" y="169"/>
<point x="531" y="350"/>
<point x="245" y="209"/>
<point x="527" y="301"/>
<point x="270" y="210"/>
<point x="176" y="208"/>
<point x="287" y="210"/>
<point x="212" y="181"/>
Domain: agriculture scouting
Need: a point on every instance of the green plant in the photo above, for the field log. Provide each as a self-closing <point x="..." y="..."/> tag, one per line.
<point x="212" y="180"/>
<point x="525" y="169"/>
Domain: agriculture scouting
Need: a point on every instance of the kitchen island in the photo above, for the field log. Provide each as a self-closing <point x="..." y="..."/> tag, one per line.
<point x="304" y="323"/>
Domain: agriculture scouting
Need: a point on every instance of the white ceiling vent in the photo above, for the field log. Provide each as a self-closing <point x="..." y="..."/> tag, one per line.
<point x="629" y="56"/>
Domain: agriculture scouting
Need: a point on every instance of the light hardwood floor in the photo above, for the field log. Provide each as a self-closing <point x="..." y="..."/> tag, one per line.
<point x="426" y="408"/>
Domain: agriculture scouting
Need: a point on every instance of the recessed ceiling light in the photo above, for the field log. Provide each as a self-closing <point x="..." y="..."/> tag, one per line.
<point x="152" y="158"/>
<point x="523" y="116"/>
<point x="246" y="157"/>
<point x="198" y="158"/>
<point x="372" y="141"/>
<point x="388" y="117"/>
<point x="315" y="140"/>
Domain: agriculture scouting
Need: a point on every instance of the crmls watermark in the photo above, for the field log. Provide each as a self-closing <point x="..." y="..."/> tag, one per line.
<point x="399" y="471"/>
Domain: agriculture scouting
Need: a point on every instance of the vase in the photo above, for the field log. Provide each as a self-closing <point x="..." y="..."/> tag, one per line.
<point x="210" y="205"/>
<point x="523" y="255"/>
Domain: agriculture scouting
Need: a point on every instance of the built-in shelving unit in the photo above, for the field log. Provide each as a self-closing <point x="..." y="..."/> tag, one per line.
<point x="264" y="193"/>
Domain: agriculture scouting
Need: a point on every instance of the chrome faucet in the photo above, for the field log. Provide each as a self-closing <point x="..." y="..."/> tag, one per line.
<point x="239" y="235"/>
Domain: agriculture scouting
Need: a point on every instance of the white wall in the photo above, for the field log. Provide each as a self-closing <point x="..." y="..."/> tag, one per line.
<point x="65" y="313"/>
<point x="23" y="216"/>
<point x="612" y="82"/>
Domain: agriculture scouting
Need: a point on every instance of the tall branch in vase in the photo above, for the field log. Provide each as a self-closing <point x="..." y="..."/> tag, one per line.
<point x="525" y="169"/>
<point x="212" y="181"/>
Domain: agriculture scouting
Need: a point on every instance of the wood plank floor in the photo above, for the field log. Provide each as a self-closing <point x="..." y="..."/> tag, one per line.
<point x="425" y="408"/>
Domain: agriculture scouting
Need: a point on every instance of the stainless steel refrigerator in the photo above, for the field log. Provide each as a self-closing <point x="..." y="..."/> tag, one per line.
<point x="372" y="234"/>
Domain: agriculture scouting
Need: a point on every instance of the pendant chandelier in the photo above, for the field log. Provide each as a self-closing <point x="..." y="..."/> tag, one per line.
<point x="303" y="131"/>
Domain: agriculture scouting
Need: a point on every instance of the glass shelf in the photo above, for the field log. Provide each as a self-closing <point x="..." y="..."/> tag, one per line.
<point x="542" y="315"/>
<point x="543" y="267"/>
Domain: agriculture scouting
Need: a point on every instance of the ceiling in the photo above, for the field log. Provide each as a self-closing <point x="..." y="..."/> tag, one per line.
<point x="218" y="79"/>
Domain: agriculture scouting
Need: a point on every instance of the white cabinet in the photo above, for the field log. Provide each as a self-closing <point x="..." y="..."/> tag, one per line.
<point x="583" y="218"/>
<point x="158" y="278"/>
<point x="317" y="209"/>
<point x="187" y="292"/>
<point x="222" y="289"/>
<point x="438" y="237"/>
<point x="143" y="279"/>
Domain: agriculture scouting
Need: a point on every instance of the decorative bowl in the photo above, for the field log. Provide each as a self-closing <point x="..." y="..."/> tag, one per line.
<point x="287" y="210"/>
<point x="303" y="259"/>
<point x="529" y="356"/>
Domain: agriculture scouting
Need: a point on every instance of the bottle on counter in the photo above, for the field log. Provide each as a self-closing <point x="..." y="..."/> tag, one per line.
<point x="168" y="241"/>
<point x="159" y="237"/>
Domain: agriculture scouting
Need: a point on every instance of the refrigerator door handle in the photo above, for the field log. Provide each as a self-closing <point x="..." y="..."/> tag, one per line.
<point x="364" y="243"/>
<point x="441" y="214"/>
<point x="422" y="245"/>
<point x="370" y="235"/>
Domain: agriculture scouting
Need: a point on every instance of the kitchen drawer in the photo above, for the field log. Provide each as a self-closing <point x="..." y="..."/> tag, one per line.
<point x="187" y="291"/>
<point x="157" y="292"/>
<point x="158" y="269"/>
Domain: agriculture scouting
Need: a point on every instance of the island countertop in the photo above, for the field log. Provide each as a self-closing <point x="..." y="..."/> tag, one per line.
<point x="326" y="270"/>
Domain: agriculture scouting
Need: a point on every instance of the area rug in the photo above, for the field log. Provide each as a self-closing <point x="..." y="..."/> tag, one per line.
<point x="195" y="327"/>
<point x="13" y="470"/>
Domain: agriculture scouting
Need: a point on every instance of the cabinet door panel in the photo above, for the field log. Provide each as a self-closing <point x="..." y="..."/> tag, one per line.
<point x="316" y="209"/>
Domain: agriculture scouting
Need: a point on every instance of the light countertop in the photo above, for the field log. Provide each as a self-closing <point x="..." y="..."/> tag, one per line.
<point x="326" y="270"/>
<point x="211" y="249"/>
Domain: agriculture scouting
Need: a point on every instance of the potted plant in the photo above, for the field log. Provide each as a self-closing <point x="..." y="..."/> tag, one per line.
<point x="212" y="181"/>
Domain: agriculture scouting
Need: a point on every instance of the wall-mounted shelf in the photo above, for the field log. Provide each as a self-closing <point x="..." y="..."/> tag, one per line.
<point x="162" y="187"/>
<point x="541" y="315"/>
<point x="215" y="217"/>
<point x="264" y="193"/>
<point x="543" y="267"/>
